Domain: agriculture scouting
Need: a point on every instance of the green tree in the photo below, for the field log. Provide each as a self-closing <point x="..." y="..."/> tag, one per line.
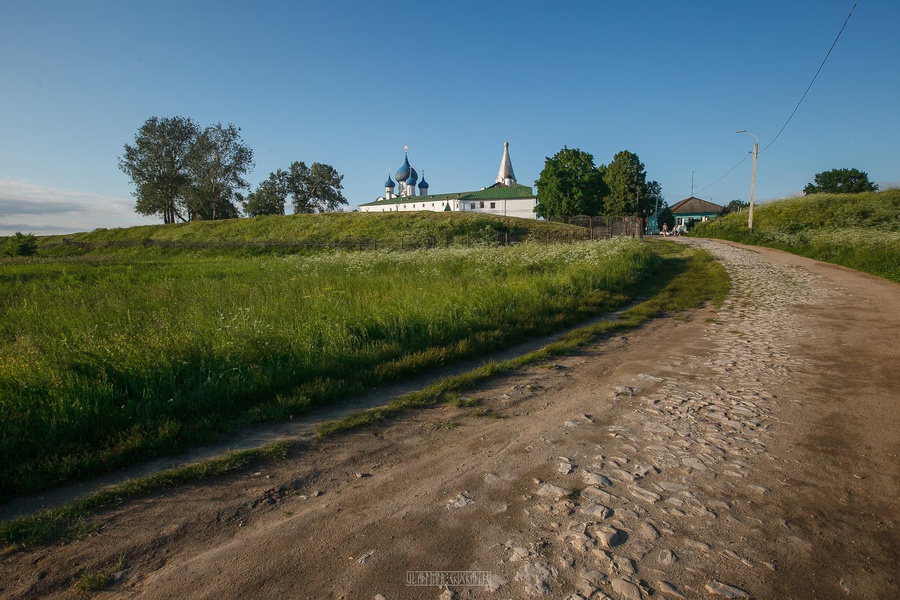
<point x="841" y="181"/>
<point x="21" y="244"/>
<point x="735" y="206"/>
<point x="157" y="166"/>
<point x="626" y="178"/>
<point x="313" y="189"/>
<point x="217" y="163"/>
<point x="570" y="184"/>
<point x="651" y="199"/>
<point x="268" y="198"/>
<point x="666" y="217"/>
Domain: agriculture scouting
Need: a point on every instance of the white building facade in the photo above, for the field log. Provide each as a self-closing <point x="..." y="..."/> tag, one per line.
<point x="505" y="197"/>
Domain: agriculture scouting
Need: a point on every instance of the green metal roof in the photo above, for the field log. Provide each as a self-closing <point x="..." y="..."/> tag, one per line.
<point x="495" y="192"/>
<point x="501" y="192"/>
<point x="414" y="199"/>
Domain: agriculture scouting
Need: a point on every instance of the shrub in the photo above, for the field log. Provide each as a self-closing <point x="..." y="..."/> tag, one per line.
<point x="21" y="244"/>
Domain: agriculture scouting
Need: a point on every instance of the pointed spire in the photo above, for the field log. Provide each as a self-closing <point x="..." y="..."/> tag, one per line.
<point x="506" y="174"/>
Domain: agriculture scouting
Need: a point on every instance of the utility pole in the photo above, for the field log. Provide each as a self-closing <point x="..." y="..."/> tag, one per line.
<point x="692" y="183"/>
<point x="753" y="178"/>
<point x="753" y="184"/>
<point x="640" y="218"/>
<point x="656" y="214"/>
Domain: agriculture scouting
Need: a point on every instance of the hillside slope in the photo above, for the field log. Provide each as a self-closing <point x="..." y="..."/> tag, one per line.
<point x="326" y="228"/>
<point x="860" y="231"/>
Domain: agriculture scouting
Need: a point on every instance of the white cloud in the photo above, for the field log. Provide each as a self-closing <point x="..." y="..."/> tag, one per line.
<point x="42" y="210"/>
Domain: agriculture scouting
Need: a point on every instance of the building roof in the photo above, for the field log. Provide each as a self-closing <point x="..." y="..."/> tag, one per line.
<point x="501" y="191"/>
<point x="506" y="170"/>
<point x="495" y="192"/>
<point x="413" y="199"/>
<point x="695" y="206"/>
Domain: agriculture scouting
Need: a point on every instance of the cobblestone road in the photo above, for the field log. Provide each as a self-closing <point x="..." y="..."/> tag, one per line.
<point x="669" y="500"/>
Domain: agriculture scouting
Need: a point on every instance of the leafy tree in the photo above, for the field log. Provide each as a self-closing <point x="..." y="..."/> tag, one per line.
<point x="157" y="165"/>
<point x="666" y="217"/>
<point x="570" y="184"/>
<point x="21" y="245"/>
<point x="651" y="199"/>
<point x="735" y="206"/>
<point x="629" y="191"/>
<point x="217" y="163"/>
<point x="626" y="178"/>
<point x="841" y="181"/>
<point x="313" y="189"/>
<point x="268" y="198"/>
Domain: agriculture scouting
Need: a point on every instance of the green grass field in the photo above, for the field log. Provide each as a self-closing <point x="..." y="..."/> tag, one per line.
<point x="108" y="359"/>
<point x="860" y="231"/>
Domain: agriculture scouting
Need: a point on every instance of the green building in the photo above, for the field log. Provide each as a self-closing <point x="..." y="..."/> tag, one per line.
<point x="694" y="209"/>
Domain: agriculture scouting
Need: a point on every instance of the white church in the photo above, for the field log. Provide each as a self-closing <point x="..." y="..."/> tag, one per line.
<point x="505" y="197"/>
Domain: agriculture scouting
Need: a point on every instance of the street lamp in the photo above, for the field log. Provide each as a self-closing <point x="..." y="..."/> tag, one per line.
<point x="753" y="179"/>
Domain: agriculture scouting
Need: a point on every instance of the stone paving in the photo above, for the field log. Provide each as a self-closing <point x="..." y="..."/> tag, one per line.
<point x="665" y="500"/>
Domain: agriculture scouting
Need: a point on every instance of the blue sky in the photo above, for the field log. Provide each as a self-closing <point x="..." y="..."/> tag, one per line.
<point x="351" y="83"/>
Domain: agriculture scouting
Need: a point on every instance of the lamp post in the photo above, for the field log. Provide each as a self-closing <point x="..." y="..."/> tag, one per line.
<point x="753" y="178"/>
<point x="656" y="216"/>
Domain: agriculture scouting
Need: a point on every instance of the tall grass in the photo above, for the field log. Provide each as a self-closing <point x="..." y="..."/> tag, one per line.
<point x="104" y="361"/>
<point x="860" y="231"/>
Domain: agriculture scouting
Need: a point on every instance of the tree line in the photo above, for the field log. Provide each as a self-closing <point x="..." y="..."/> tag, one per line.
<point x="571" y="184"/>
<point x="182" y="172"/>
<point x="840" y="181"/>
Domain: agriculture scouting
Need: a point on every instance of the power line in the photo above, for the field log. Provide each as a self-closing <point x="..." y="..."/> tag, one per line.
<point x="819" y="70"/>
<point x="725" y="175"/>
<point x="814" y="76"/>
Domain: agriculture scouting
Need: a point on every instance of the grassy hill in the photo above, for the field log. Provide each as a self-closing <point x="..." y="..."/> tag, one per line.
<point x="860" y="231"/>
<point x="413" y="227"/>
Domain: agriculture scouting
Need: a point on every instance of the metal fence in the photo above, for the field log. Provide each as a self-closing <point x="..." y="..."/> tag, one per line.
<point x="605" y="227"/>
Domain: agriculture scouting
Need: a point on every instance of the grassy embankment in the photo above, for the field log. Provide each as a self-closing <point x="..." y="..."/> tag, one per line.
<point x="860" y="231"/>
<point x="683" y="279"/>
<point x="105" y="360"/>
<point x="387" y="229"/>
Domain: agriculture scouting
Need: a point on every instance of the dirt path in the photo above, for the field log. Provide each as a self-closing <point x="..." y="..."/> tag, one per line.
<point x="750" y="451"/>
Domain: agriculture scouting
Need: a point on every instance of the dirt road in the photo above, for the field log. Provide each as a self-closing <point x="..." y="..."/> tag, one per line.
<point x="749" y="451"/>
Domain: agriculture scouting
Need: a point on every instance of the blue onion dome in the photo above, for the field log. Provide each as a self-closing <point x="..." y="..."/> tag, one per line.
<point x="423" y="185"/>
<point x="402" y="173"/>
<point x="390" y="182"/>
<point x="413" y="177"/>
